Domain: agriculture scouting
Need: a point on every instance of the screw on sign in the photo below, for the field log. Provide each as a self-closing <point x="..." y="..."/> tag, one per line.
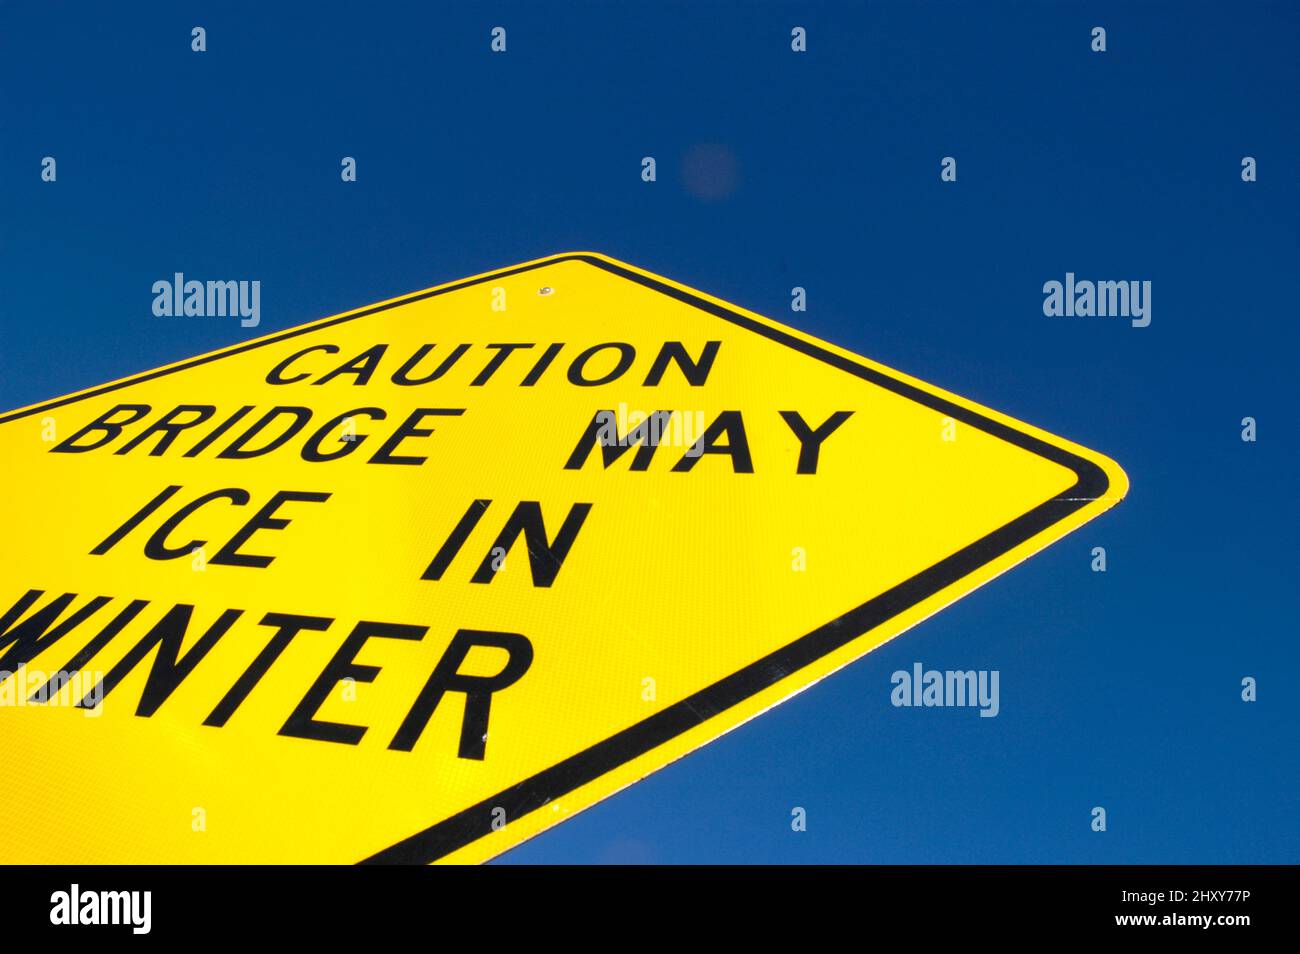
<point x="420" y="528"/>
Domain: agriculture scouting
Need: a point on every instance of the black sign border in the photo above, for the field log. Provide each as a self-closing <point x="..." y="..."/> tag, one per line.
<point x="528" y="796"/>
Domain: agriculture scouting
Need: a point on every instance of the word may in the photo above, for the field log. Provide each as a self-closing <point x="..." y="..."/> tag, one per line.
<point x="194" y="299"/>
<point x="1085" y="299"/>
<point x="103" y="907"/>
<point x="603" y="432"/>
<point x="948" y="688"/>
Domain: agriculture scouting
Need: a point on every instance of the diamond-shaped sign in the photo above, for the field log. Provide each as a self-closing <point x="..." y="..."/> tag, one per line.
<point x="420" y="580"/>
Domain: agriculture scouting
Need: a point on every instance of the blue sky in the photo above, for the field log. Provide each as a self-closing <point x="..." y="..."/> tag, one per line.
<point x="1119" y="689"/>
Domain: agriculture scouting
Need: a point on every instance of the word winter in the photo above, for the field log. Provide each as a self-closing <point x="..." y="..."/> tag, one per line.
<point x="263" y="640"/>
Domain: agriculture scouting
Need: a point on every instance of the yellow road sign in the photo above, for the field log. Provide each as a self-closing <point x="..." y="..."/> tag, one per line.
<point x="418" y="581"/>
